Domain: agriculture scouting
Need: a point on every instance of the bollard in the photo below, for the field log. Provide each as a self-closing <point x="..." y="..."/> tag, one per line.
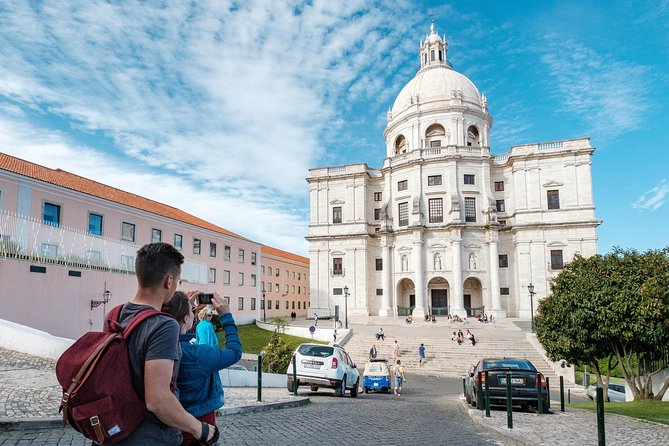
<point x="600" y="417"/>
<point x="509" y="402"/>
<point x="479" y="392"/>
<point x="548" y="394"/>
<point x="464" y="387"/>
<point x="487" y="395"/>
<point x="569" y="396"/>
<point x="540" y="402"/>
<point x="294" y="375"/>
<point x="260" y="376"/>
<point x="561" y="393"/>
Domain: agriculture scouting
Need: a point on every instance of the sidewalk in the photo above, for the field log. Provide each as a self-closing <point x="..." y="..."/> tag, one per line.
<point x="573" y="427"/>
<point x="30" y="394"/>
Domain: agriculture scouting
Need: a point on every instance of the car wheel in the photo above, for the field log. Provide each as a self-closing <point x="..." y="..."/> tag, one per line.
<point x="366" y="389"/>
<point x="468" y="398"/>
<point x="291" y="387"/>
<point x="341" y="389"/>
<point x="314" y="388"/>
<point x="354" y="390"/>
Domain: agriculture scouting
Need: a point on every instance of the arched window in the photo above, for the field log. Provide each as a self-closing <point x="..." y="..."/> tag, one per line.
<point x="435" y="136"/>
<point x="473" y="138"/>
<point x="400" y="145"/>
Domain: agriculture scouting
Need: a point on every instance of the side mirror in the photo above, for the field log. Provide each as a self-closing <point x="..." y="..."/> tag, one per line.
<point x="471" y="375"/>
<point x="354" y="366"/>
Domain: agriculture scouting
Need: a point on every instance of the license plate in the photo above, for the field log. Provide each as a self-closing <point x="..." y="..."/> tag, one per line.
<point x="514" y="381"/>
<point x="376" y="384"/>
<point x="312" y="366"/>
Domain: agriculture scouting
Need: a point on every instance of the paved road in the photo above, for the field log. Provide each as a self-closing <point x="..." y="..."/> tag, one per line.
<point x="427" y="413"/>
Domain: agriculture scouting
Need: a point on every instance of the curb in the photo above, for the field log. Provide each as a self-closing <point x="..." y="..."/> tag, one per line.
<point x="508" y="436"/>
<point x="293" y="402"/>
<point x="7" y="423"/>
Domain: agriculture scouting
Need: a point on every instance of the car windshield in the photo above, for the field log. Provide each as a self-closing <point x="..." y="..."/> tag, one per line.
<point x="375" y="367"/>
<point x="512" y="364"/>
<point x="320" y="351"/>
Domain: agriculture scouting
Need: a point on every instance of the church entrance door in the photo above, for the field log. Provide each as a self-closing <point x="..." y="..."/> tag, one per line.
<point x="440" y="302"/>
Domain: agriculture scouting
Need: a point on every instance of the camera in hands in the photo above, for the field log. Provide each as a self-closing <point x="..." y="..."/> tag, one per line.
<point x="205" y="298"/>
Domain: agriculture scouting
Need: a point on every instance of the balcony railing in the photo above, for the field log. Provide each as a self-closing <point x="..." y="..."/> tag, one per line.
<point x="26" y="238"/>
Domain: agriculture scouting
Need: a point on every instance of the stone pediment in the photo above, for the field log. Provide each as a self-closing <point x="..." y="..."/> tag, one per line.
<point x="472" y="246"/>
<point x="404" y="249"/>
<point x="556" y="244"/>
<point x="337" y="201"/>
<point x="553" y="183"/>
<point x="437" y="246"/>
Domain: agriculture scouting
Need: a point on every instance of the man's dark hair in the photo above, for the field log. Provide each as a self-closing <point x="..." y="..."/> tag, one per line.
<point x="155" y="261"/>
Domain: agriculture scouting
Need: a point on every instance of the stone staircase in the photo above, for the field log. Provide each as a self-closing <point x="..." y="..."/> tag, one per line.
<point x="444" y="357"/>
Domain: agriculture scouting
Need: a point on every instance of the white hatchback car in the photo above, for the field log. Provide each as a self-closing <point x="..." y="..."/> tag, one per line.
<point x="320" y="365"/>
<point x="616" y="392"/>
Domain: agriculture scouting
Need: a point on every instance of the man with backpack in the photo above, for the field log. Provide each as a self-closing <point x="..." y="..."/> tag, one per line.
<point x="98" y="405"/>
<point x="154" y="352"/>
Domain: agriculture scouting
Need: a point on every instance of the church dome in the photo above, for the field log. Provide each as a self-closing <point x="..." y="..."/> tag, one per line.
<point x="432" y="83"/>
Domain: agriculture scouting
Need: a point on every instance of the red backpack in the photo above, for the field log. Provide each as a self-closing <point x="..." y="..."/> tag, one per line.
<point x="99" y="399"/>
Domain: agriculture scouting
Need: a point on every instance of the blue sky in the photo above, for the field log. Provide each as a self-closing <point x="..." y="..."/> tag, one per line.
<point x="221" y="107"/>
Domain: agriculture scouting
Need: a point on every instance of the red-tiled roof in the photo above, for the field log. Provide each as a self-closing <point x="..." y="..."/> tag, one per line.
<point x="74" y="182"/>
<point x="284" y="254"/>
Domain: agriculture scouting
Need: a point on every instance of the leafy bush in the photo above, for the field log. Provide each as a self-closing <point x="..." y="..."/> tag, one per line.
<point x="277" y="355"/>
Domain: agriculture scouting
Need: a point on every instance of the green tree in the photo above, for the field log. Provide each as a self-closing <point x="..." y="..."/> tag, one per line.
<point x="277" y="353"/>
<point x="613" y="307"/>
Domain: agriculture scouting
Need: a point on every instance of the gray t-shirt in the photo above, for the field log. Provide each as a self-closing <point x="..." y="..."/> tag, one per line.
<point x="155" y="338"/>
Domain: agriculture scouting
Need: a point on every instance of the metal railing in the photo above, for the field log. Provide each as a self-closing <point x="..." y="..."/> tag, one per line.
<point x="440" y="311"/>
<point x="405" y="311"/>
<point x="27" y="238"/>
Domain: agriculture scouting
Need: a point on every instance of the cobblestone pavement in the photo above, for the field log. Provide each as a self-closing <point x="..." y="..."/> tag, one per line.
<point x="574" y="427"/>
<point x="417" y="417"/>
<point x="28" y="386"/>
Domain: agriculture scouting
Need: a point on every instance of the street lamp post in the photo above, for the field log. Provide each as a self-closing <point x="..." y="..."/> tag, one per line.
<point x="530" y="288"/>
<point x="264" y="308"/>
<point x="106" y="297"/>
<point x="346" y="305"/>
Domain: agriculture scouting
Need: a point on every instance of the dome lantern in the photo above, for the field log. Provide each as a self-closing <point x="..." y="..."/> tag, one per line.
<point x="433" y="49"/>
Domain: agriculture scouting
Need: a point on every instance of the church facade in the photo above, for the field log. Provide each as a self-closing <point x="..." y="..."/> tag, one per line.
<point x="445" y="226"/>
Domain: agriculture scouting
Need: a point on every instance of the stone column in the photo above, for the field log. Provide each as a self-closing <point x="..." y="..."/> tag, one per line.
<point x="386" y="302"/>
<point x="419" y="311"/>
<point x="496" y="310"/>
<point x="457" y="302"/>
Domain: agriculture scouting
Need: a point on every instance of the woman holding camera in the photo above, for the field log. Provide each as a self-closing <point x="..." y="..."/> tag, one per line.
<point x="200" y="389"/>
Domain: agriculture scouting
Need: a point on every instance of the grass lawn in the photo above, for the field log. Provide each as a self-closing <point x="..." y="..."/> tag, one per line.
<point x="657" y="411"/>
<point x="255" y="339"/>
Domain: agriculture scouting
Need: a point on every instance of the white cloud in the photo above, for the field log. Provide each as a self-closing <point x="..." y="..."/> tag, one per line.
<point x="239" y="99"/>
<point x="654" y="198"/>
<point x="610" y="95"/>
<point x="252" y="214"/>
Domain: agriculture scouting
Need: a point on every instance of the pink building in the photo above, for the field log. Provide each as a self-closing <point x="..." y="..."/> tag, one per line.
<point x="65" y="240"/>
<point x="284" y="283"/>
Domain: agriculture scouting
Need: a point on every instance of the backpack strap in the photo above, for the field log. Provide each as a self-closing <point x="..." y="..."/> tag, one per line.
<point x="113" y="320"/>
<point x="139" y="318"/>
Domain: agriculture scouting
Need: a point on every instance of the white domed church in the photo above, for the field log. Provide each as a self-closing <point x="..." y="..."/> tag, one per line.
<point x="445" y="226"/>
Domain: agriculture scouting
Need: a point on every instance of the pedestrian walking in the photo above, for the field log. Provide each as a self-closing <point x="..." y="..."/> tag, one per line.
<point x="396" y="349"/>
<point x="315" y="320"/>
<point x="373" y="352"/>
<point x="421" y="354"/>
<point x="399" y="377"/>
<point x="334" y="335"/>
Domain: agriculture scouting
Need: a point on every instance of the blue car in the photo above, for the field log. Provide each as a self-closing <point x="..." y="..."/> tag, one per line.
<point x="376" y="376"/>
